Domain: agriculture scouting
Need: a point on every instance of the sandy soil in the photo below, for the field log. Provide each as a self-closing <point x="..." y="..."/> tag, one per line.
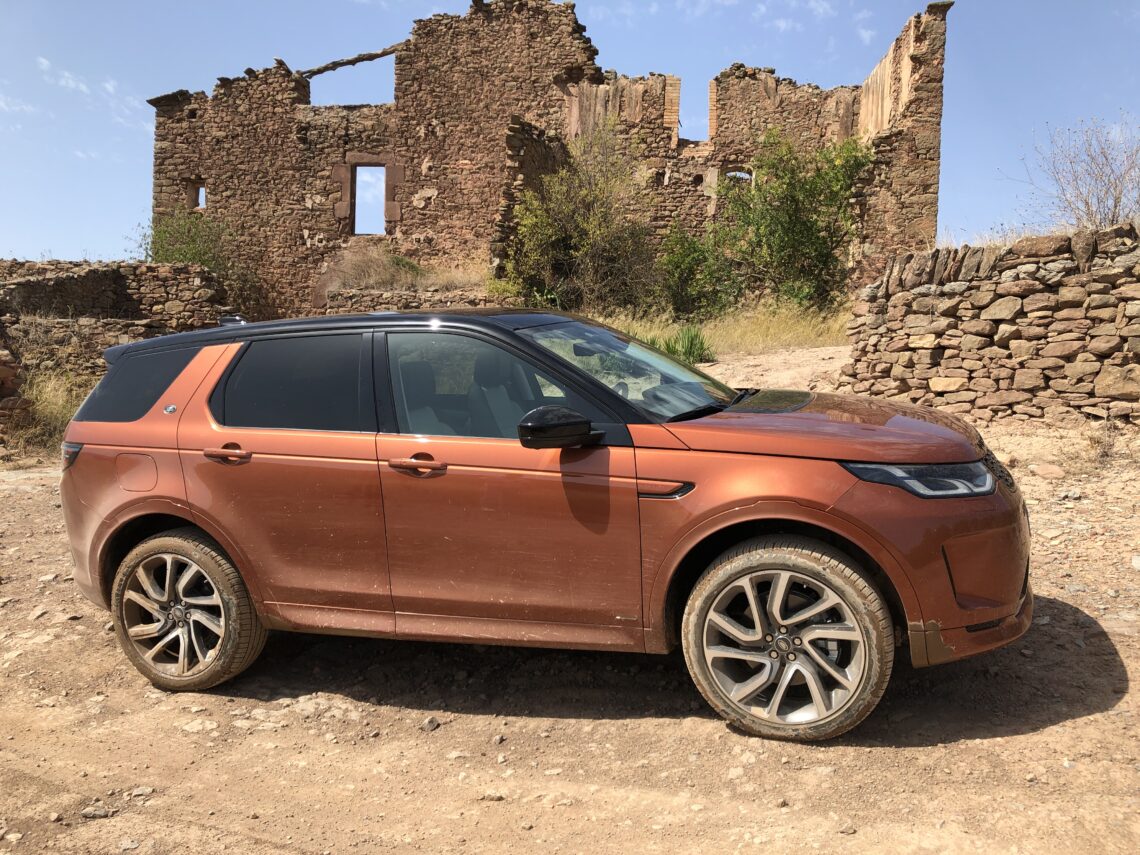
<point x="322" y="746"/>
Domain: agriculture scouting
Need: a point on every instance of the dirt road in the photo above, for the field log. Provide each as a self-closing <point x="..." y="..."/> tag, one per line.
<point x="330" y="745"/>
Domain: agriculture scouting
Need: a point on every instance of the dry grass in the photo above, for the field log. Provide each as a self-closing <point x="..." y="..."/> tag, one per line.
<point x="1000" y="235"/>
<point x="372" y="267"/>
<point x="54" y="397"/>
<point x="756" y="329"/>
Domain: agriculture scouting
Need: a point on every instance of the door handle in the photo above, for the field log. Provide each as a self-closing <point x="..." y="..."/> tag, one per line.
<point x="415" y="463"/>
<point x="227" y="455"/>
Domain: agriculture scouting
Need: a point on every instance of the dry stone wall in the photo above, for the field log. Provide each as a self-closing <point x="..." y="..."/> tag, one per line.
<point x="60" y="316"/>
<point x="1047" y="327"/>
<point x="280" y="172"/>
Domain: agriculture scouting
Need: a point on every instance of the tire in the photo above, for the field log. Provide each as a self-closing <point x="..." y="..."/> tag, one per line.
<point x="182" y="614"/>
<point x="811" y="675"/>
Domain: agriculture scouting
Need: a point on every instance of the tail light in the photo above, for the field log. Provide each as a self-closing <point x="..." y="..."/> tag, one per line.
<point x="70" y="451"/>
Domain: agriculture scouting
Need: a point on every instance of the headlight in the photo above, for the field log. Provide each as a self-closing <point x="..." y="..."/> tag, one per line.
<point x="936" y="481"/>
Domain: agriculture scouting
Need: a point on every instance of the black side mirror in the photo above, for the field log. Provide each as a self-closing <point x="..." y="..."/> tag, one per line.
<point x="556" y="427"/>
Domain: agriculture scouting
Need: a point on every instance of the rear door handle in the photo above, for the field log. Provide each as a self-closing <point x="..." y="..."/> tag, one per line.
<point x="227" y="455"/>
<point x="414" y="463"/>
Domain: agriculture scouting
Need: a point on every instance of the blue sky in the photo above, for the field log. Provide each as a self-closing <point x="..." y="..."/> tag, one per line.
<point x="75" y="131"/>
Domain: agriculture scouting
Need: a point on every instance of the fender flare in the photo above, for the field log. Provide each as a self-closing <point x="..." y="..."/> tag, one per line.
<point x="657" y="600"/>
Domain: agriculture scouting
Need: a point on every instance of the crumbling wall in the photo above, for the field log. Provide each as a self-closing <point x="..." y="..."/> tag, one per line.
<point x="276" y="171"/>
<point x="1048" y="327"/>
<point x="62" y="315"/>
<point x="280" y="172"/>
<point x="900" y="114"/>
<point x="459" y="80"/>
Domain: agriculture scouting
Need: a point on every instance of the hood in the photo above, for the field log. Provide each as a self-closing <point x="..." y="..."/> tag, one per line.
<point x="834" y="427"/>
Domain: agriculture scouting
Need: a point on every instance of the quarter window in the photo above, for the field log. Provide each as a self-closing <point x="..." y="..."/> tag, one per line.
<point x="133" y="386"/>
<point x="455" y="385"/>
<point x="303" y="383"/>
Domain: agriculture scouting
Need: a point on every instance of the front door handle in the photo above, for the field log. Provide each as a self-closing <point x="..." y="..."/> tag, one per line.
<point x="417" y="463"/>
<point x="228" y="454"/>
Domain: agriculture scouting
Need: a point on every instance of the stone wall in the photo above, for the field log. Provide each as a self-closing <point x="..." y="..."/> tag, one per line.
<point x="62" y="315"/>
<point x="350" y="300"/>
<point x="1047" y="327"/>
<point x="280" y="172"/>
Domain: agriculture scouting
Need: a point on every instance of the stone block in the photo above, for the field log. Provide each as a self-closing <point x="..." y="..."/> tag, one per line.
<point x="1005" y="309"/>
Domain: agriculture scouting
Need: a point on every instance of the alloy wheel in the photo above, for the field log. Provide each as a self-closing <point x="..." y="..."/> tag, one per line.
<point x="784" y="647"/>
<point x="173" y="615"/>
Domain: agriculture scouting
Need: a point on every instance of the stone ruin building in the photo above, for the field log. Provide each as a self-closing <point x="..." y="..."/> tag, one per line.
<point x="484" y="104"/>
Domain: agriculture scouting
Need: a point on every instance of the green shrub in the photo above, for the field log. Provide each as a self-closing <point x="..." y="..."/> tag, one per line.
<point x="785" y="232"/>
<point x="696" y="282"/>
<point x="580" y="241"/>
<point x="687" y="344"/>
<point x="194" y="237"/>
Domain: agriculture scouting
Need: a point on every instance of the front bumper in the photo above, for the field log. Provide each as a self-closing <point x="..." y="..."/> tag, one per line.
<point x="967" y="561"/>
<point x="933" y="645"/>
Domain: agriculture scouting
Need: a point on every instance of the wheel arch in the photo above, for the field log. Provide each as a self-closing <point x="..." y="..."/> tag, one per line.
<point x="133" y="531"/>
<point x="692" y="559"/>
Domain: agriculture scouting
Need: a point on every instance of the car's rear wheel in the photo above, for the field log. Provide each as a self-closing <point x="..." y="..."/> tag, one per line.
<point x="787" y="638"/>
<point x="182" y="613"/>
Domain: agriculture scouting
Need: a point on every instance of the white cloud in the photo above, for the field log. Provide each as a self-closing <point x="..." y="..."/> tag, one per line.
<point x="86" y="155"/>
<point x="863" y="14"/>
<point x="110" y="85"/>
<point x="821" y="8"/>
<point x="865" y="34"/>
<point x="14" y="105"/>
<point x="760" y="10"/>
<point x="61" y="77"/>
<point x="370" y="185"/>
<point x="784" y="25"/>
<point x="623" y="11"/>
<point x="697" y="8"/>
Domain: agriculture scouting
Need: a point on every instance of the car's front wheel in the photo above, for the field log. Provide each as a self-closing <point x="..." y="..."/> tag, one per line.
<point x="182" y="614"/>
<point x="787" y="638"/>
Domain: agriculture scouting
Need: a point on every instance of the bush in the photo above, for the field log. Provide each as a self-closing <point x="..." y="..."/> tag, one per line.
<point x="580" y="241"/>
<point x="54" y="396"/>
<point x="785" y="232"/>
<point x="696" y="282"/>
<point x="193" y="237"/>
<point x="687" y="344"/>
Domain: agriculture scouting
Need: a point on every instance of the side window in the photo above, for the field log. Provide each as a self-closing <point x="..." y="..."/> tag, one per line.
<point x="446" y="384"/>
<point x="133" y="386"/>
<point x="303" y="383"/>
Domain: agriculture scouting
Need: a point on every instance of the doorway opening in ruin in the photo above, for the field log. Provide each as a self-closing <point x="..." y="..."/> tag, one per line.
<point x="369" y="193"/>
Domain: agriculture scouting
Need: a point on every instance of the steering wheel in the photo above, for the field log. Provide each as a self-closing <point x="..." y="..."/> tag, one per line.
<point x="622" y="388"/>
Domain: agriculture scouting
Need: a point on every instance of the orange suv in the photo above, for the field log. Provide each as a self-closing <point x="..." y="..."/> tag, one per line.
<point x="532" y="478"/>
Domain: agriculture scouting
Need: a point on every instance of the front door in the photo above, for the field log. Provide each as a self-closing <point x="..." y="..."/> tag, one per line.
<point x="481" y="528"/>
<point x="281" y="456"/>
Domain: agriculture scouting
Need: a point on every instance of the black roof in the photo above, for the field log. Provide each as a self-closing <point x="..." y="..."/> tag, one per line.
<point x="490" y="319"/>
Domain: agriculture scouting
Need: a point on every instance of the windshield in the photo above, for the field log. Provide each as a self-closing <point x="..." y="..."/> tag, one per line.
<point x="662" y="387"/>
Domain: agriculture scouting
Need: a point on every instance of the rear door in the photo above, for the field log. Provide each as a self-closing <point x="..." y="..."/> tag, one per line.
<point x="280" y="454"/>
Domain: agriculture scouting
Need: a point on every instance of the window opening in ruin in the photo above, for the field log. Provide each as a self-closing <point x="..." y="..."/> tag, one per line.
<point x="372" y="82"/>
<point x="739" y="175"/>
<point x="196" y="194"/>
<point x="368" y="195"/>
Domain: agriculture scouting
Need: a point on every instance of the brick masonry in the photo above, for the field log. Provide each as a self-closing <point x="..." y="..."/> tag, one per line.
<point x="474" y="95"/>
<point x="1047" y="327"/>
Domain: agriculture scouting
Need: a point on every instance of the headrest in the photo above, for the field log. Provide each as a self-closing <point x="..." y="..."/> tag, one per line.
<point x="492" y="368"/>
<point x="418" y="379"/>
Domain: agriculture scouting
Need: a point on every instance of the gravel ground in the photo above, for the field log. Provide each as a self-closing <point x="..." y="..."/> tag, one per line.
<point x="339" y="744"/>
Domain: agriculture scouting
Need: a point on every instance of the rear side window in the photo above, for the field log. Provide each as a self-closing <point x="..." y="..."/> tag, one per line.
<point x="133" y="385"/>
<point x="303" y="383"/>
